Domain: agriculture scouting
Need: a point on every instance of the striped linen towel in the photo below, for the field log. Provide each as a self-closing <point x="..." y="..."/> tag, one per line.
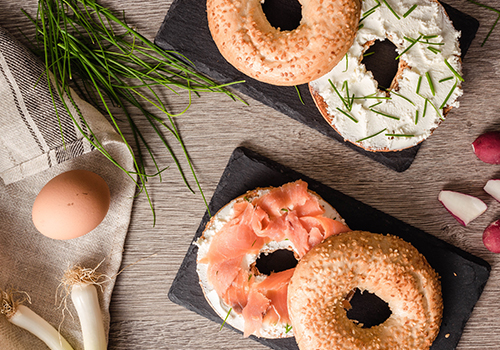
<point x="32" y="152"/>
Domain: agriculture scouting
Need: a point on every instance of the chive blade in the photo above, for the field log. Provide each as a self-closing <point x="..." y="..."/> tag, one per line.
<point x="453" y="70"/>
<point x="407" y="13"/>
<point x="347" y="115"/>
<point x="409" y="47"/>
<point x="431" y="85"/>
<point x="384" y="114"/>
<point x="369" y="137"/>
<point x="391" y="9"/>
<point x="449" y="95"/>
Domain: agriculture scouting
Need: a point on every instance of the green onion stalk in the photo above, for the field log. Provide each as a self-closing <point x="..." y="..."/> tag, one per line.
<point x="87" y="47"/>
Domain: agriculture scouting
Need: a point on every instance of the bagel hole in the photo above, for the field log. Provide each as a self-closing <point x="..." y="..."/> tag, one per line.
<point x="277" y="261"/>
<point x="380" y="59"/>
<point x="283" y="14"/>
<point x="367" y="309"/>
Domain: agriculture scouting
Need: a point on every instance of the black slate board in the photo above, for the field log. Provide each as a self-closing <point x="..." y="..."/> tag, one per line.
<point x="185" y="30"/>
<point x="463" y="276"/>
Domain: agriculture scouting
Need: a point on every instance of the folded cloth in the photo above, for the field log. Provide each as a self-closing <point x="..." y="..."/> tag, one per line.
<point x="32" y="152"/>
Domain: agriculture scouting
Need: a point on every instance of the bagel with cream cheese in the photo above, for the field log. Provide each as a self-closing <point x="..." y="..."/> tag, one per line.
<point x="381" y="264"/>
<point x="247" y="40"/>
<point x="257" y="223"/>
<point x="426" y="86"/>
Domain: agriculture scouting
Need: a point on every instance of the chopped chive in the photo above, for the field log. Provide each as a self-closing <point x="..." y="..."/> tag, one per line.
<point x="376" y="104"/>
<point x="445" y="79"/>
<point x="494" y="24"/>
<point x="491" y="30"/>
<point x="399" y="95"/>
<point x="409" y="47"/>
<point x="437" y="110"/>
<point x="420" y="41"/>
<point x="300" y="96"/>
<point x="249" y="277"/>
<point x="227" y="316"/>
<point x="391" y="9"/>
<point x="369" y="137"/>
<point x="433" y="50"/>
<point x="346" y="62"/>
<point x="410" y="10"/>
<point x="399" y="135"/>
<point x="368" y="54"/>
<point x="427" y="37"/>
<point x="344" y="86"/>
<point x="453" y="70"/>
<point x="418" y="84"/>
<point x="370" y="11"/>
<point x="338" y="94"/>
<point x="431" y="85"/>
<point x="384" y="114"/>
<point x="288" y="328"/>
<point x="416" y="117"/>
<point x="425" y="108"/>
<point x="361" y="26"/>
<point x="372" y="96"/>
<point x="449" y="95"/>
<point x="347" y="114"/>
<point x="429" y="43"/>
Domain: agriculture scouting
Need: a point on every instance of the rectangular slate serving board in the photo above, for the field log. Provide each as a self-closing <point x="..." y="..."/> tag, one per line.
<point x="463" y="276"/>
<point x="185" y="30"/>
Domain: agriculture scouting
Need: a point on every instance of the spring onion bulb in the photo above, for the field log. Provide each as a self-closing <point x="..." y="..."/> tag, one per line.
<point x="81" y="283"/>
<point x="22" y="316"/>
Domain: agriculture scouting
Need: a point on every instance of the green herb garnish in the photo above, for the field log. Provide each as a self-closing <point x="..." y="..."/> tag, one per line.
<point x="346" y="103"/>
<point x="449" y="95"/>
<point x="399" y="95"/>
<point x="453" y="70"/>
<point x="346" y="63"/>
<point x="300" y="95"/>
<point x="87" y="46"/>
<point x="425" y="108"/>
<point x="418" y="84"/>
<point x="410" y="10"/>
<point x="399" y="135"/>
<point x="288" y="328"/>
<point x="445" y="79"/>
<point x="391" y="9"/>
<point x="347" y="115"/>
<point x="433" y="50"/>
<point x="227" y="316"/>
<point x="384" y="114"/>
<point x="368" y="54"/>
<point x="431" y="85"/>
<point x="437" y="110"/>
<point x="369" y="137"/>
<point x="416" y="117"/>
<point x="413" y="42"/>
<point x="370" y="11"/>
<point x="376" y="104"/>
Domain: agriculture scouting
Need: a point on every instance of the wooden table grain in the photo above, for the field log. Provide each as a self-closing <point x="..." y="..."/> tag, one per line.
<point x="142" y="317"/>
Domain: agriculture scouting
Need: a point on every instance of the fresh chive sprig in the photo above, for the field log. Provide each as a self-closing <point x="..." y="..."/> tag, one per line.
<point x="86" y="46"/>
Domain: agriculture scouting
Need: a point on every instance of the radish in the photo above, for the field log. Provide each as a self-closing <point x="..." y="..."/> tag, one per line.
<point x="491" y="237"/>
<point x="487" y="147"/>
<point x="492" y="187"/>
<point x="463" y="207"/>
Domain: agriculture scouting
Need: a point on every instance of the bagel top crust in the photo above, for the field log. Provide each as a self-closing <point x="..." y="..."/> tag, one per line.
<point x="385" y="265"/>
<point x="247" y="40"/>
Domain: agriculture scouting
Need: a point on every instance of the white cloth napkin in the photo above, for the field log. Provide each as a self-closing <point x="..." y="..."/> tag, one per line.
<point x="31" y="153"/>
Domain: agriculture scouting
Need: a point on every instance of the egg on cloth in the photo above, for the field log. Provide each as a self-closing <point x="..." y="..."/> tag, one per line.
<point x="71" y="204"/>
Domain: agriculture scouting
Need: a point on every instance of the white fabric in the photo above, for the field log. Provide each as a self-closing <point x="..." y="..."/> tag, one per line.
<point x="32" y="152"/>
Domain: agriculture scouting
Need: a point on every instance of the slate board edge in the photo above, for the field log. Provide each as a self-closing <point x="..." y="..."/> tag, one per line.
<point x="483" y="267"/>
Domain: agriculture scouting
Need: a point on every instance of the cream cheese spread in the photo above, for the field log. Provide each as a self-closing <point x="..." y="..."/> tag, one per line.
<point x="427" y="84"/>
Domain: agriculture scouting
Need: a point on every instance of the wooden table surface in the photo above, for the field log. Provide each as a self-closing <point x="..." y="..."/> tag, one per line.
<point x="142" y="316"/>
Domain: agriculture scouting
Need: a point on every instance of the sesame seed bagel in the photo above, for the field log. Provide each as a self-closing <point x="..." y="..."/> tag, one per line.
<point x="237" y="312"/>
<point x="251" y="44"/>
<point x="384" y="265"/>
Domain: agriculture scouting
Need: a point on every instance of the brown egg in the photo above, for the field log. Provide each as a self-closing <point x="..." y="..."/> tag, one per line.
<point x="71" y="204"/>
